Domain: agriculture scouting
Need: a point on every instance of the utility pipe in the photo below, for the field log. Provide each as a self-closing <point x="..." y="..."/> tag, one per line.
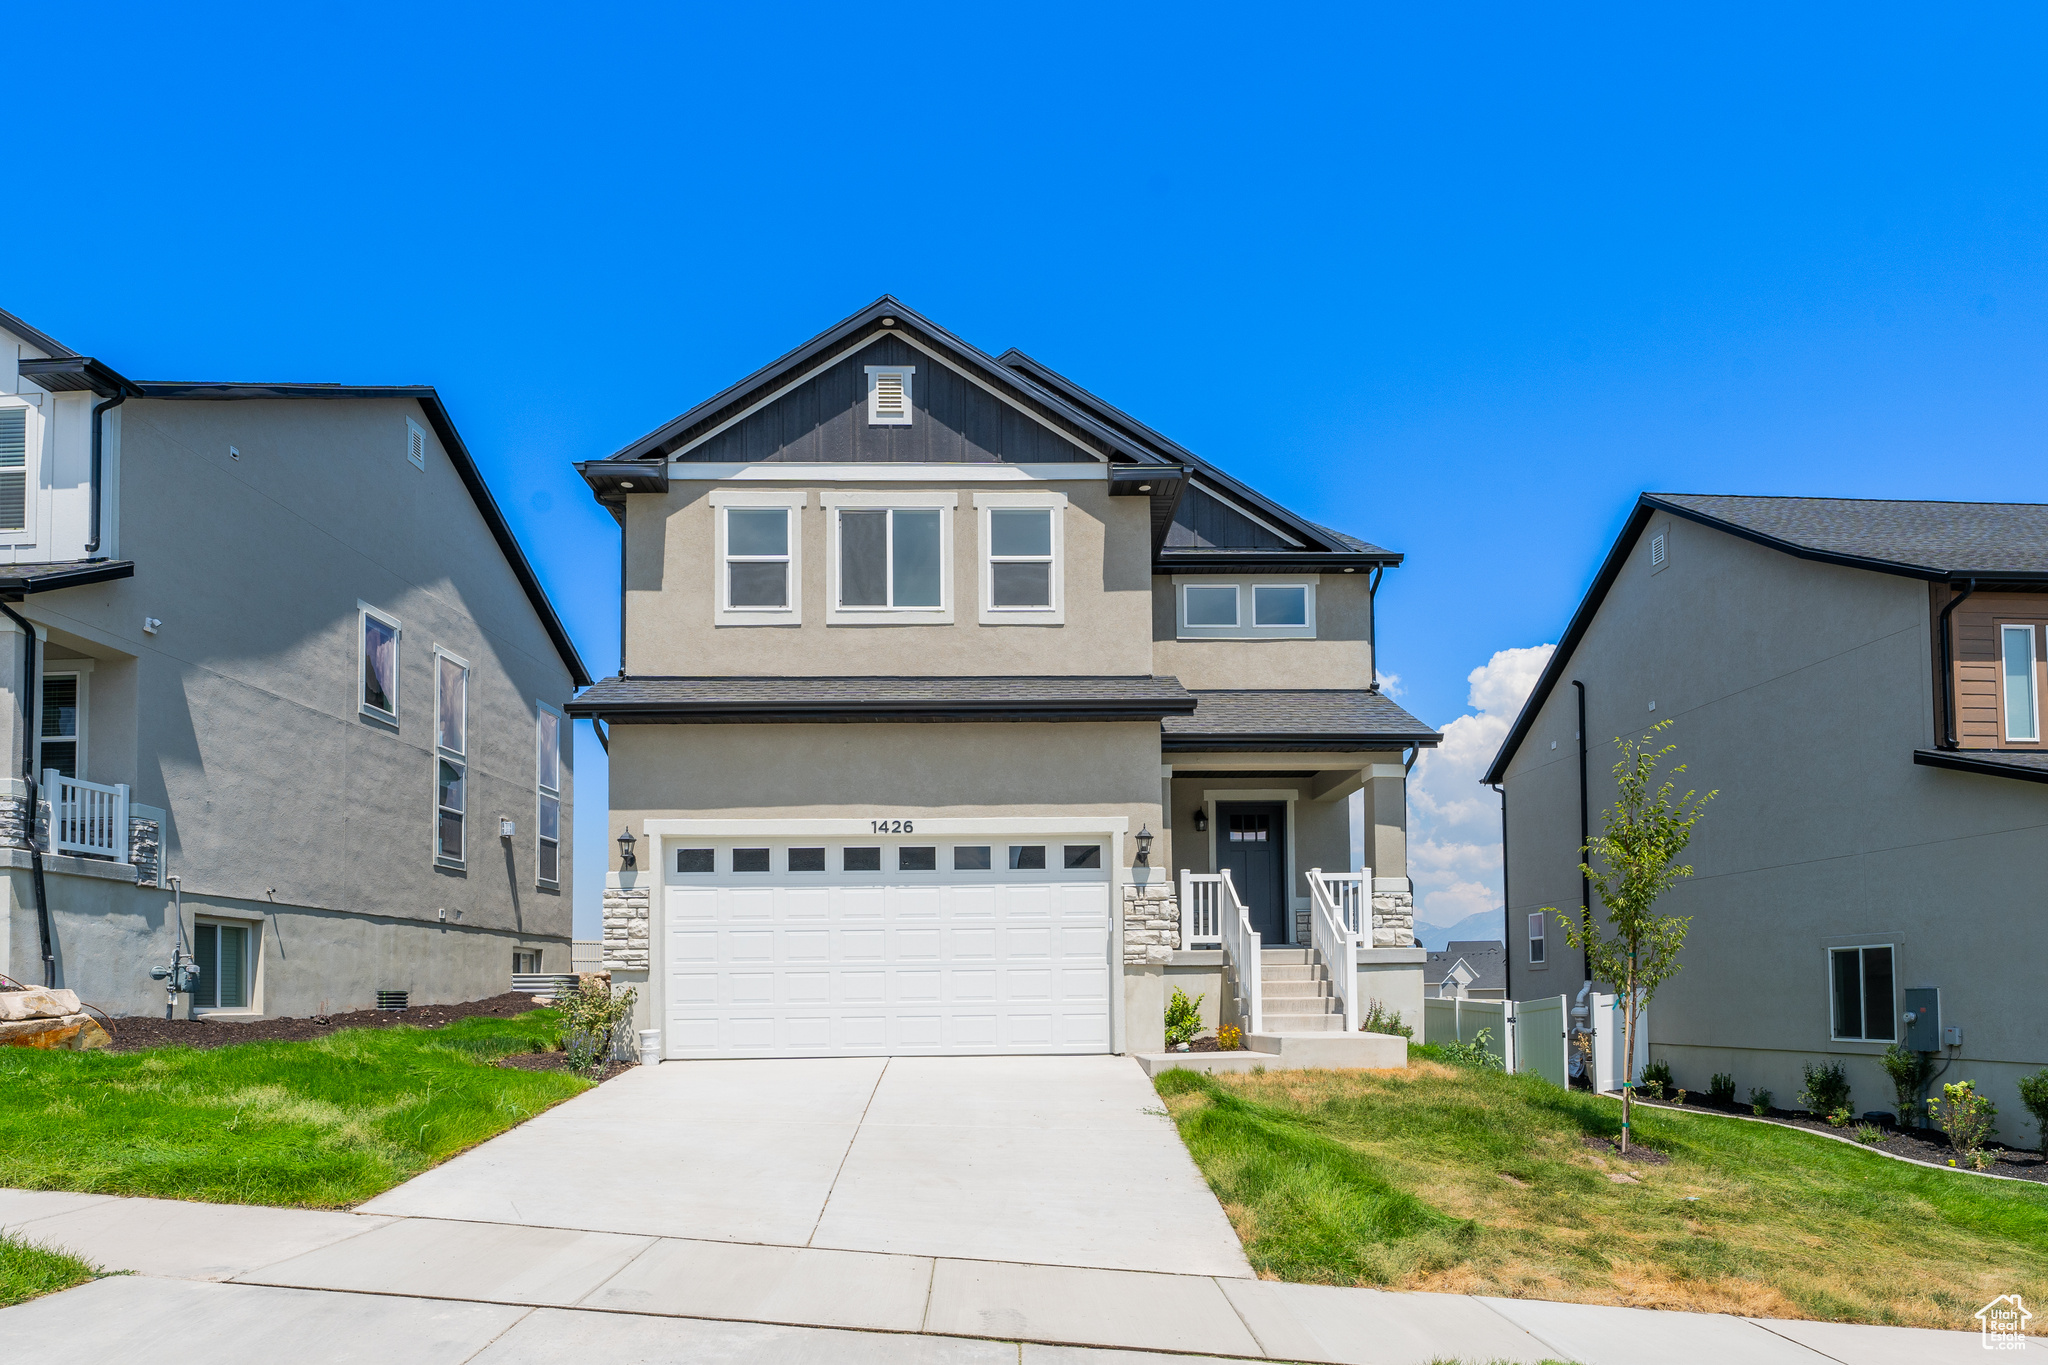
<point x="1506" y="904"/>
<point x="28" y="768"/>
<point x="1585" y="837"/>
<point x="1948" y="667"/>
<point x="92" y="544"/>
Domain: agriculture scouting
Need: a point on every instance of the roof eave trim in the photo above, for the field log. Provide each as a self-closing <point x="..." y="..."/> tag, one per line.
<point x="35" y="336"/>
<point x="1224" y="561"/>
<point x="1180" y="741"/>
<point x="773" y="713"/>
<point x="1958" y="760"/>
<point x="1924" y="572"/>
<point x="14" y="589"/>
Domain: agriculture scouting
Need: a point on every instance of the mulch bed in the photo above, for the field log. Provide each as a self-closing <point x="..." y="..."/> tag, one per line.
<point x="136" y="1032"/>
<point x="1917" y="1144"/>
<point x="558" y="1061"/>
<point x="1648" y="1156"/>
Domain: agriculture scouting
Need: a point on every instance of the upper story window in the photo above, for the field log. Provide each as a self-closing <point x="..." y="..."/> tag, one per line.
<point x="1245" y="609"/>
<point x="548" y="741"/>
<point x="1022" y="554"/>
<point x="2021" y="689"/>
<point x="759" y="557"/>
<point x="451" y="743"/>
<point x="377" y="634"/>
<point x="891" y="557"/>
<point x="889" y="394"/>
<point x="14" y="441"/>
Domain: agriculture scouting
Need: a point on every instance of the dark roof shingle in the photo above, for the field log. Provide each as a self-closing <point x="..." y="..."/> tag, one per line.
<point x="1360" y="719"/>
<point x="1936" y="539"/>
<point x="883" y="698"/>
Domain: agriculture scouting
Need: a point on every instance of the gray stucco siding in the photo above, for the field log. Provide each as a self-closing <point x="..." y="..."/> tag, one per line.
<point x="824" y="420"/>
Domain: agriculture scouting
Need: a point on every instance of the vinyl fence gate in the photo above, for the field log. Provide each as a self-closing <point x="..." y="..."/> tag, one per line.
<point x="1527" y="1035"/>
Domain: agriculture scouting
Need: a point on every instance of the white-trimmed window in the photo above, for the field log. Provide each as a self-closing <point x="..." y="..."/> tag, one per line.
<point x="60" y="720"/>
<point x="760" y="557"/>
<point x="415" y="444"/>
<point x="377" y="634"/>
<point x="2022" y="701"/>
<point x="1023" y="558"/>
<point x="451" y="756"/>
<point x="891" y="557"/>
<point x="548" y="778"/>
<point x="1245" y="609"/>
<point x="226" y="958"/>
<point x="1863" y="1006"/>
<point x="889" y="394"/>
<point x="19" y="435"/>
<point x="1536" y="937"/>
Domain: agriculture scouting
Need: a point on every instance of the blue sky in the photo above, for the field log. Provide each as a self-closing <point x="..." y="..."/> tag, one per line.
<point x="1461" y="284"/>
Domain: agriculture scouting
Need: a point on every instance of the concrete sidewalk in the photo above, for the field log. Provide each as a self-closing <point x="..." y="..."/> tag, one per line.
<point x="220" y="1284"/>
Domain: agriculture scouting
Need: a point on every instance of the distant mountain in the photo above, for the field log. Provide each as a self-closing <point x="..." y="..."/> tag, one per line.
<point x="1487" y="924"/>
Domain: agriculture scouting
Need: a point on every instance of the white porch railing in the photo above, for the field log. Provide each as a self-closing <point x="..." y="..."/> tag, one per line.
<point x="87" y="817"/>
<point x="1213" y="916"/>
<point x="1336" y="904"/>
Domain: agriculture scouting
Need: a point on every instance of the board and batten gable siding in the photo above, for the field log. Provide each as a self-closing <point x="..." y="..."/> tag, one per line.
<point x="672" y="592"/>
<point x="1340" y="656"/>
<point x="1203" y="522"/>
<point x="1980" y="665"/>
<point x="246" y="728"/>
<point x="1800" y="691"/>
<point x="824" y="420"/>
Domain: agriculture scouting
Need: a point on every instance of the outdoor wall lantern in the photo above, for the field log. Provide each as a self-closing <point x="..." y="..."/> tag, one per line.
<point x="1201" y="821"/>
<point x="626" y="841"/>
<point x="1144" y="844"/>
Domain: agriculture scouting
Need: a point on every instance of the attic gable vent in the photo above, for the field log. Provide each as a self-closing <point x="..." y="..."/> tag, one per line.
<point x="1657" y="551"/>
<point x="889" y="395"/>
<point x="415" y="444"/>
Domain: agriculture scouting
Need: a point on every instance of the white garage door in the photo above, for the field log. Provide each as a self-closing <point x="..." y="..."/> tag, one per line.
<point x="812" y="948"/>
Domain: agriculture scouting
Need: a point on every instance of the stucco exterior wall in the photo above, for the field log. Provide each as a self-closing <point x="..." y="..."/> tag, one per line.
<point x="1320" y="832"/>
<point x="1339" y="657"/>
<point x="672" y="586"/>
<point x="239" y="715"/>
<point x="1799" y="691"/>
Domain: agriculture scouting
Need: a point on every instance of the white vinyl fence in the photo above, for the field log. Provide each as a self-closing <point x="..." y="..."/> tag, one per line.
<point x="1610" y="1033"/>
<point x="1527" y="1035"/>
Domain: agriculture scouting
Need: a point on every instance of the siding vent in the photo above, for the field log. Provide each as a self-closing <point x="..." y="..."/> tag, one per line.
<point x="392" y="1000"/>
<point x="889" y="395"/>
<point x="1657" y="551"/>
<point x="415" y="444"/>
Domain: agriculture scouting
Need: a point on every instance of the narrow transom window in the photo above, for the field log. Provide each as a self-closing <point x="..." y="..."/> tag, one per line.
<point x="757" y="557"/>
<point x="13" y="469"/>
<point x="1861" y="981"/>
<point x="1211" y="606"/>
<point x="451" y="739"/>
<point x="889" y="402"/>
<point x="890" y="558"/>
<point x="452" y="701"/>
<point x="1020" y="557"/>
<point x="377" y="665"/>
<point x="1536" y="937"/>
<point x="451" y="800"/>
<point x="1285" y="605"/>
<point x="2022" y="702"/>
<point x="548" y="779"/>
<point x="1250" y="829"/>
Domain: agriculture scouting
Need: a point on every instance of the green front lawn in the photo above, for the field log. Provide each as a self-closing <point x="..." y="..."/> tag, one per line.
<point x="1454" y="1179"/>
<point x="28" y="1269"/>
<point x="320" y="1124"/>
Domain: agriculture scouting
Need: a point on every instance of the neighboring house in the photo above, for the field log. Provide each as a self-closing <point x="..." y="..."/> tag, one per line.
<point x="289" y="667"/>
<point x="1862" y="683"/>
<point x="943" y="680"/>
<point x="1468" y="970"/>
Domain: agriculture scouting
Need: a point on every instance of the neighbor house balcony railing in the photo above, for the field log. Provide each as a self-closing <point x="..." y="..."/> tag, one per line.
<point x="89" y="818"/>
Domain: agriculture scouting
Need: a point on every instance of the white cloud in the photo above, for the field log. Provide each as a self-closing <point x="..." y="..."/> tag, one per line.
<point x="1453" y="821"/>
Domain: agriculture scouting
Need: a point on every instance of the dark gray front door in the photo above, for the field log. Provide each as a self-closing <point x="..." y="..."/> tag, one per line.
<point x="1251" y="843"/>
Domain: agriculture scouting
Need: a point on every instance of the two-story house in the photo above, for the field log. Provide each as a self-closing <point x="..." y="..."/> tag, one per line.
<point x="962" y="712"/>
<point x="278" y="692"/>
<point x="1862" y="681"/>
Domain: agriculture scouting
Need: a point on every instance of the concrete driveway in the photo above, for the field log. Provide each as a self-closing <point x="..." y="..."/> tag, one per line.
<point x="1064" y="1161"/>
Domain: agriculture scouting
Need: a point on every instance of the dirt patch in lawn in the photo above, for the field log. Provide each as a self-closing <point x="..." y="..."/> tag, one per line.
<point x="1636" y="1152"/>
<point x="559" y="1061"/>
<point x="137" y="1032"/>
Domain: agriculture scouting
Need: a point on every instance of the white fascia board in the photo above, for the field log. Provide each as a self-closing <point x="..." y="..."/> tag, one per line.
<point x="775" y="472"/>
<point x="746" y="829"/>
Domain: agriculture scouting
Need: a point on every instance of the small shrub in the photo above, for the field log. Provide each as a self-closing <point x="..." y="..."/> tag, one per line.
<point x="1721" y="1090"/>
<point x="1826" y="1088"/>
<point x="1656" y="1079"/>
<point x="1230" y="1038"/>
<point x="1473" y="1053"/>
<point x="1839" y="1118"/>
<point x="1759" y="1101"/>
<point x="1681" y="1094"/>
<point x="1380" y="1019"/>
<point x="2034" y="1095"/>
<point x="1869" y="1134"/>
<point x="592" y="1015"/>
<point x="1183" y="1017"/>
<point x="1910" y="1072"/>
<point x="1968" y="1119"/>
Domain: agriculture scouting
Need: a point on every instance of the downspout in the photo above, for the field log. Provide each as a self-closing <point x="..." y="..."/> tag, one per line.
<point x="604" y="740"/>
<point x="28" y="767"/>
<point x="1585" y="837"/>
<point x="1948" y="668"/>
<point x="1372" y="619"/>
<point x="622" y="595"/>
<point x="1508" y="962"/>
<point x="92" y="544"/>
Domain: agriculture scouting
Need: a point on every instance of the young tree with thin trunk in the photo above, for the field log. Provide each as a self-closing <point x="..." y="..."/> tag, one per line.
<point x="1629" y="866"/>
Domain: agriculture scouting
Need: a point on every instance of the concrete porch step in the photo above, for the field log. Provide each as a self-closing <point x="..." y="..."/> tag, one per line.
<point x="1269" y="972"/>
<point x="1286" y="956"/>
<point x="1278" y="1022"/>
<point x="1277" y="1050"/>
<point x="1278" y="989"/>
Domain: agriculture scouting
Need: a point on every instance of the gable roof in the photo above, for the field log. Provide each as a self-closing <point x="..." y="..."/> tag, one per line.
<point x="42" y="341"/>
<point x="1317" y="542"/>
<point x="1486" y="959"/>
<point x="1993" y="542"/>
<point x="458" y="454"/>
<point x="752" y="700"/>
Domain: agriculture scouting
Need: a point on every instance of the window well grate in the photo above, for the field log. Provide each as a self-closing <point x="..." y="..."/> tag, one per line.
<point x="391" y="1000"/>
